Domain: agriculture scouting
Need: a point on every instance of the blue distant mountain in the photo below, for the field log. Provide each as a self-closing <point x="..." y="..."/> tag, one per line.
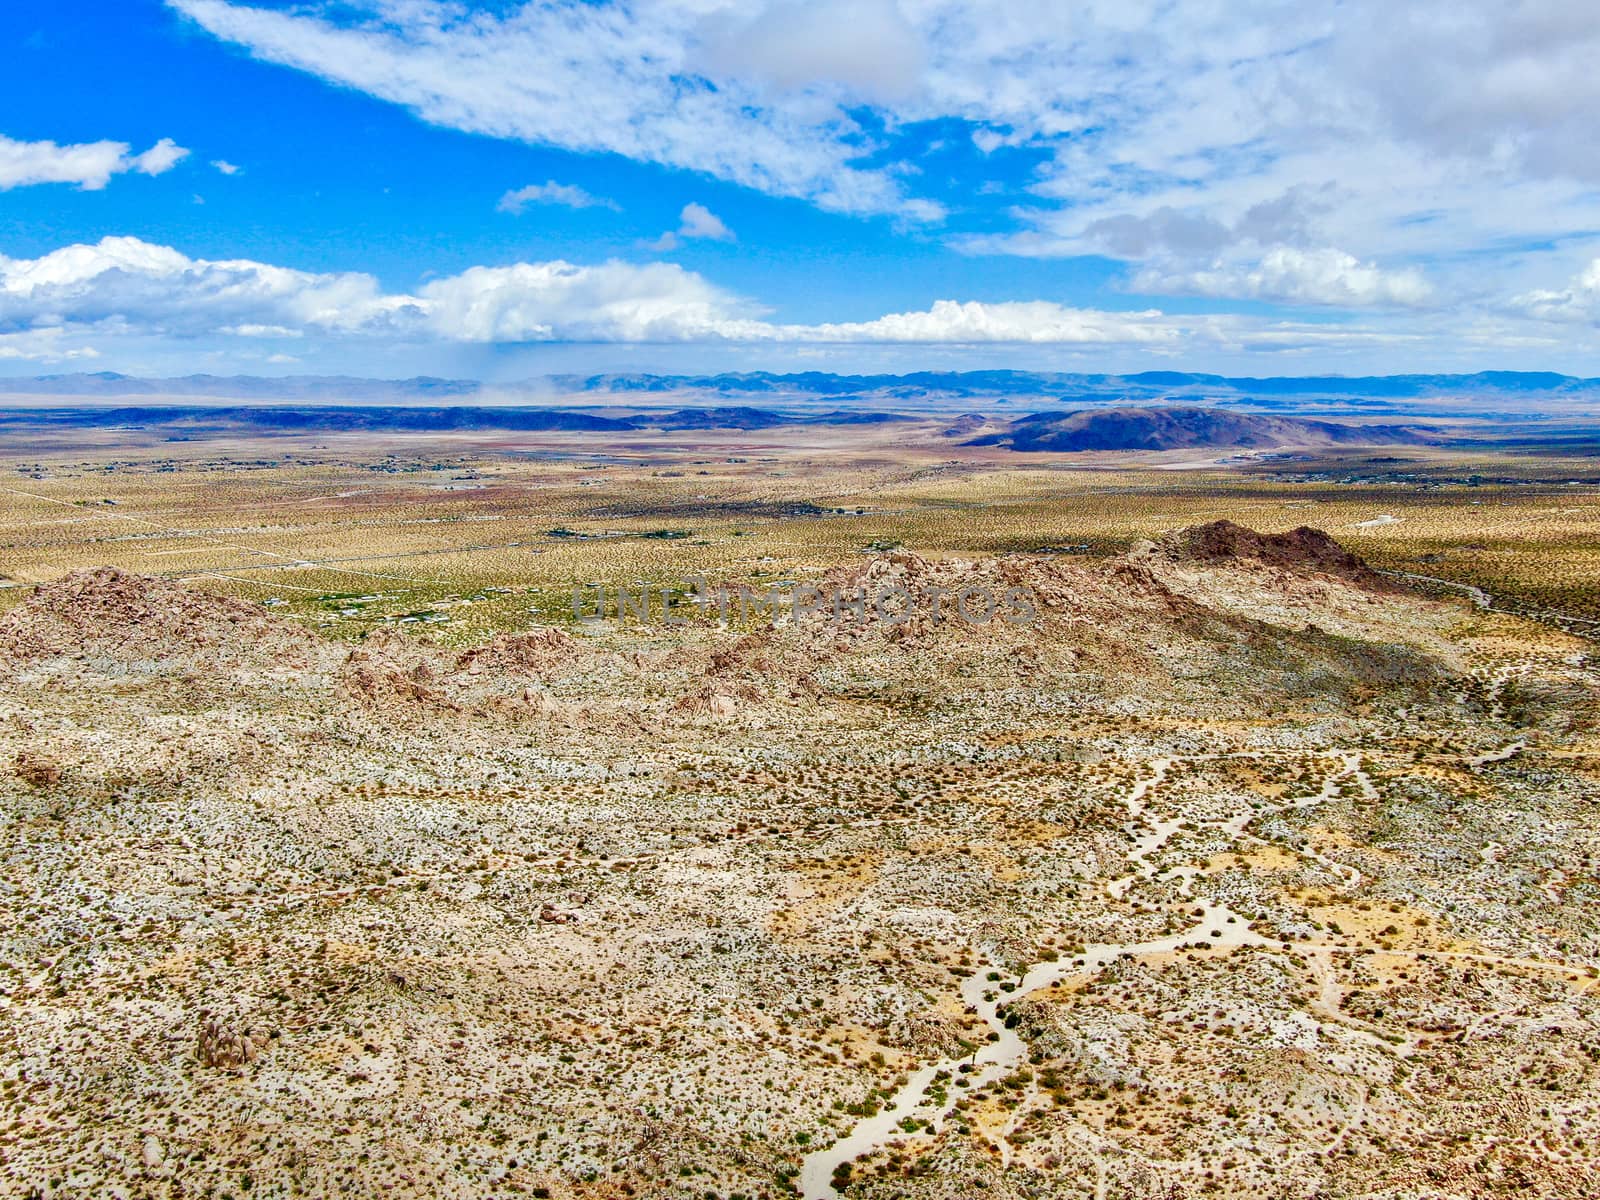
<point x="1059" y="385"/>
<point x="282" y="418"/>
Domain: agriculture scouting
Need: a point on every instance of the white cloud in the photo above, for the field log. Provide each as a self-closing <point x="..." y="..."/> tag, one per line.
<point x="249" y="330"/>
<point x="54" y="306"/>
<point x="1022" y="322"/>
<point x="558" y="301"/>
<point x="1293" y="276"/>
<point x="47" y="345"/>
<point x="587" y="77"/>
<point x="1169" y="134"/>
<point x="90" y="165"/>
<point x="698" y="221"/>
<point x="516" y="202"/>
<point x="124" y="285"/>
<point x="1578" y="302"/>
<point x="226" y="167"/>
<point x="1510" y="86"/>
<point x="695" y="221"/>
<point x="160" y="158"/>
<point x="1440" y="128"/>
<point x="868" y="47"/>
<point x="123" y="282"/>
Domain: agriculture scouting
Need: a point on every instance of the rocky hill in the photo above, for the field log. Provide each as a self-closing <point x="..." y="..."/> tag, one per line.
<point x="1304" y="550"/>
<point x="1187" y="427"/>
<point x="1233" y="860"/>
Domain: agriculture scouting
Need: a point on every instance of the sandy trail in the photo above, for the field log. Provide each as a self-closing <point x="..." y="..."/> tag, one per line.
<point x="1218" y="927"/>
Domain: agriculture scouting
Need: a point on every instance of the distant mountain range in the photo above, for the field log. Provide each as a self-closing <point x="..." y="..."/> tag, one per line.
<point x="367" y="417"/>
<point x="1151" y="410"/>
<point x="1123" y="428"/>
<point x="1185" y="428"/>
<point x="811" y="386"/>
<point x="1078" y="386"/>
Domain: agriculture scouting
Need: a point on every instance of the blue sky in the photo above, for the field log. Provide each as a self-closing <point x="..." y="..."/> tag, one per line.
<point x="500" y="189"/>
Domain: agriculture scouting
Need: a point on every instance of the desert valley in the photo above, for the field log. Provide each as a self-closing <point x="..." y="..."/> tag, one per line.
<point x="342" y="857"/>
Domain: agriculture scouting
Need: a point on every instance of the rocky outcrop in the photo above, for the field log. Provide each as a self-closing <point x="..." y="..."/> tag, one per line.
<point x="224" y="1047"/>
<point x="532" y="653"/>
<point x="110" y="613"/>
<point x="1305" y="550"/>
<point x="37" y="770"/>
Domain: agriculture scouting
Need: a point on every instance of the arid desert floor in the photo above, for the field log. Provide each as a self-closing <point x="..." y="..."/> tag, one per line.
<point x="339" y="859"/>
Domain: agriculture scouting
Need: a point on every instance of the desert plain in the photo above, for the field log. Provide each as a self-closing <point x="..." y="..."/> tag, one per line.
<point x="341" y="859"/>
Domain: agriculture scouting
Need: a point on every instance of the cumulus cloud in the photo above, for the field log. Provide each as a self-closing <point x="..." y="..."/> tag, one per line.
<point x="90" y="165"/>
<point x="1293" y="276"/>
<point x="695" y="221"/>
<point x="698" y="221"/>
<point x="161" y="157"/>
<point x="551" y="192"/>
<point x="126" y="283"/>
<point x="1021" y="322"/>
<point x="558" y="301"/>
<point x="1167" y="231"/>
<point x="226" y="167"/>
<point x="127" y="287"/>
<point x="1266" y="252"/>
<point x="1578" y="302"/>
